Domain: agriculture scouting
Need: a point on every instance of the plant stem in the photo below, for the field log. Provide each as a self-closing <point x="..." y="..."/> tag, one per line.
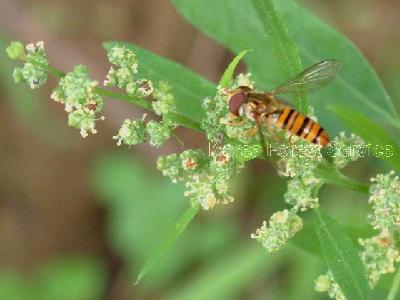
<point x="328" y="173"/>
<point x="143" y="103"/>
<point x="395" y="286"/>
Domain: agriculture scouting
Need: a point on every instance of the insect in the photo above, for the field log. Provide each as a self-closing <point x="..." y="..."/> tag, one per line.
<point x="266" y="108"/>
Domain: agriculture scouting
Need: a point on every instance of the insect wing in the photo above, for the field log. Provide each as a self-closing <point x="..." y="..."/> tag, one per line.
<point x="311" y="79"/>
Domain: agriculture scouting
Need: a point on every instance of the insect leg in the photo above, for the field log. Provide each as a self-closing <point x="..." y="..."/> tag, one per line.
<point x="262" y="140"/>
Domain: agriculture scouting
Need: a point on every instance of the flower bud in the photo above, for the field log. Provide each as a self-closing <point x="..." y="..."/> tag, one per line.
<point x="16" y="50"/>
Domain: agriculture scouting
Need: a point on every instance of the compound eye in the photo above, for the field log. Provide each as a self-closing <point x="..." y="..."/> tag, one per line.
<point x="235" y="102"/>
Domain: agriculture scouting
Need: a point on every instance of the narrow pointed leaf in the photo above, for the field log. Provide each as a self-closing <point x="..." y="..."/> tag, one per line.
<point x="341" y="257"/>
<point x="168" y="241"/>
<point x="227" y="77"/>
<point x="282" y="47"/>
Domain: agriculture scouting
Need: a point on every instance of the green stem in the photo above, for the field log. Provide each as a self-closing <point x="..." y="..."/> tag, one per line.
<point x="125" y="97"/>
<point x="328" y="173"/>
<point x="143" y="103"/>
<point x="395" y="286"/>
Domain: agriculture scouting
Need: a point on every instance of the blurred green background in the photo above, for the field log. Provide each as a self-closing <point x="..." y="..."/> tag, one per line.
<point x="78" y="218"/>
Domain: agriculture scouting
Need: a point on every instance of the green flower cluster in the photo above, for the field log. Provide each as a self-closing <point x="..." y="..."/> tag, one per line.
<point x="165" y="101"/>
<point x="282" y="226"/>
<point x="302" y="190"/>
<point x="78" y="93"/>
<point x="123" y="75"/>
<point x="299" y="165"/>
<point x="132" y="132"/>
<point x="206" y="177"/>
<point x="347" y="149"/>
<point x="219" y="122"/>
<point x="33" y="71"/>
<point x="385" y="201"/>
<point x="379" y="255"/>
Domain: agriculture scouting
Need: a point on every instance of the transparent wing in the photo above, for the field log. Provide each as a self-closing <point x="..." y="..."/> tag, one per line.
<point x="311" y="79"/>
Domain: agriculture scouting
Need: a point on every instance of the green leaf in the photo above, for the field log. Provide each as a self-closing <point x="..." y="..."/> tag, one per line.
<point x="71" y="278"/>
<point x="331" y="175"/>
<point x="395" y="286"/>
<point x="227" y="273"/>
<point x="283" y="49"/>
<point x="227" y="77"/>
<point x="236" y="25"/>
<point x="139" y="217"/>
<point x="168" y="240"/>
<point x="14" y="285"/>
<point x="381" y="143"/>
<point x="341" y="257"/>
<point x="189" y="88"/>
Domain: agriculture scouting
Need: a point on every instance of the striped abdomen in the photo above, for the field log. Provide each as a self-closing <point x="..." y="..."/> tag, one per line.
<point x="300" y="125"/>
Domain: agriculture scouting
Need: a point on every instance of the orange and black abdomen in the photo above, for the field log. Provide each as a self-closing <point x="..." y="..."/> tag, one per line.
<point x="302" y="126"/>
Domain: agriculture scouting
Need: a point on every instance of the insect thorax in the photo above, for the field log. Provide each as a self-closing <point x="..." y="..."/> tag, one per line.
<point x="256" y="110"/>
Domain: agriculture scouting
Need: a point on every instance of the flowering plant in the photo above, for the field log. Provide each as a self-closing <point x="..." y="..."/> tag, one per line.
<point x="352" y="270"/>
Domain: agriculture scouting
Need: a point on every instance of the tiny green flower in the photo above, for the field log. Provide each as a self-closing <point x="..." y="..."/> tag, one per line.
<point x="33" y="71"/>
<point x="123" y="73"/>
<point x="165" y="101"/>
<point x="347" y="149"/>
<point x="83" y="120"/>
<point x="200" y="189"/>
<point x="301" y="190"/>
<point x="34" y="76"/>
<point x="385" y="200"/>
<point x="192" y="160"/>
<point x="215" y="108"/>
<point x="123" y="57"/>
<point x="379" y="256"/>
<point x="132" y="132"/>
<point x="282" y="226"/>
<point x="159" y="132"/>
<point x="78" y="93"/>
<point x="326" y="283"/>
<point x="16" y="50"/>
<point x="171" y="166"/>
<point x="205" y="183"/>
<point x="298" y="158"/>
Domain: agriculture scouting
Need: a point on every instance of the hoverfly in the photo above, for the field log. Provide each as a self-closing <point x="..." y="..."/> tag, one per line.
<point x="266" y="108"/>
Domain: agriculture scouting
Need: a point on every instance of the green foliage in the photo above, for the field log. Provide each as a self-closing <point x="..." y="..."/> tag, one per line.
<point x="140" y="218"/>
<point x="169" y="239"/>
<point x="341" y="257"/>
<point x="227" y="274"/>
<point x="74" y="277"/>
<point x="71" y="278"/>
<point x="282" y="47"/>
<point x="271" y="28"/>
<point x="236" y="25"/>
